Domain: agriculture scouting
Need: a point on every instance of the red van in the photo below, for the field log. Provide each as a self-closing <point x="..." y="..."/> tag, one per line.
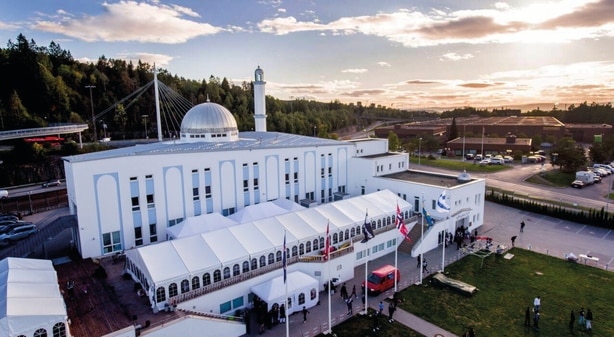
<point x="382" y="279"/>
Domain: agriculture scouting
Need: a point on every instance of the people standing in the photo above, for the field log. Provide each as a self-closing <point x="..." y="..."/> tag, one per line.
<point x="513" y="240"/>
<point x="381" y="307"/>
<point x="344" y="292"/>
<point x="536" y="320"/>
<point x="282" y="313"/>
<point x="589" y="319"/>
<point x="522" y="226"/>
<point x="581" y="318"/>
<point x="424" y="266"/>
<point x="419" y="258"/>
<point x="537" y="303"/>
<point x="353" y="294"/>
<point x="305" y="312"/>
<point x="572" y="320"/>
<point x="527" y="317"/>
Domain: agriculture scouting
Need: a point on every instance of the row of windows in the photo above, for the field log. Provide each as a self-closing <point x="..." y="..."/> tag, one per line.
<point x="59" y="330"/>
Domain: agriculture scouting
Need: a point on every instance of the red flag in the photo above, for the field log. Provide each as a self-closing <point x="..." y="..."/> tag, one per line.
<point x="327" y="248"/>
<point x="401" y="224"/>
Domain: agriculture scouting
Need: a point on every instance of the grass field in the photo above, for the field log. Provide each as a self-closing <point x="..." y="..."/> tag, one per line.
<point x="506" y="289"/>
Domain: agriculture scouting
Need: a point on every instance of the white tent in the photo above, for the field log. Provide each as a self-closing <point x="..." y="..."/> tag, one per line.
<point x="288" y="204"/>
<point x="257" y="211"/>
<point x="299" y="285"/>
<point x="199" y="224"/>
<point x="30" y="297"/>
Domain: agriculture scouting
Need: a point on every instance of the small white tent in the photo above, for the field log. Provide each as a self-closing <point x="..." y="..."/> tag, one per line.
<point x="199" y="224"/>
<point x="302" y="291"/>
<point x="30" y="298"/>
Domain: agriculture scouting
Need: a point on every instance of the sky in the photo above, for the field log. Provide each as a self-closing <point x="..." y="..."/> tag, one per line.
<point x="412" y="54"/>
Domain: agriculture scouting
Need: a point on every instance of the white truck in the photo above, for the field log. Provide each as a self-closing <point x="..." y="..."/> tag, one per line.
<point x="587" y="177"/>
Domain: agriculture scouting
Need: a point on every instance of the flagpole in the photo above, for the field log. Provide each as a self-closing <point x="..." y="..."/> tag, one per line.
<point x="366" y="288"/>
<point x="396" y="249"/>
<point x="330" y="278"/>
<point x="443" y="250"/>
<point x="286" y="284"/>
<point x="421" y="241"/>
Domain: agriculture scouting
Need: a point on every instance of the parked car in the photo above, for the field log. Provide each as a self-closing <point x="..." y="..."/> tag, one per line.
<point x="52" y="182"/>
<point x="497" y="161"/>
<point x="478" y="157"/>
<point x="9" y="217"/>
<point x="485" y="162"/>
<point x="4" y="194"/>
<point x="469" y="156"/>
<point x="597" y="179"/>
<point x="20" y="232"/>
<point x="508" y="159"/>
<point x="577" y="184"/>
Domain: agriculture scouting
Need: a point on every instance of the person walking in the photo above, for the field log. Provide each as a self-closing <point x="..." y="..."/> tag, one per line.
<point x="536" y="320"/>
<point x="305" y="312"/>
<point x="425" y="266"/>
<point x="344" y="292"/>
<point x="589" y="320"/>
<point x="391" y="309"/>
<point x="419" y="258"/>
<point x="353" y="294"/>
<point x="513" y="240"/>
<point x="581" y="318"/>
<point x="348" y="302"/>
<point x="381" y="307"/>
<point x="527" y="317"/>
<point x="572" y="320"/>
<point x="522" y="226"/>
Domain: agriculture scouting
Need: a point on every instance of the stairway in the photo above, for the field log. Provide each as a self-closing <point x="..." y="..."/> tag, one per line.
<point x="414" y="234"/>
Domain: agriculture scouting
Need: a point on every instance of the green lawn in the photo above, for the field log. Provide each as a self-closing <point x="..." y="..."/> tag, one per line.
<point x="506" y="289"/>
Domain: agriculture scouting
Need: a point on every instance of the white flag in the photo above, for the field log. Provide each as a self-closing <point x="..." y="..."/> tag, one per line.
<point x="442" y="205"/>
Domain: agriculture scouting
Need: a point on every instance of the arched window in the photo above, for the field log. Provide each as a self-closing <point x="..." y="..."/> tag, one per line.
<point x="245" y="266"/>
<point x="313" y="293"/>
<point x="160" y="294"/>
<point x="294" y="251"/>
<point x="379" y="223"/>
<point x="195" y="282"/>
<point x="271" y="258"/>
<point x="172" y="290"/>
<point x="289" y="302"/>
<point x="353" y="232"/>
<point x="226" y="273"/>
<point x="347" y="234"/>
<point x="278" y="256"/>
<point x="206" y="279"/>
<point x="321" y="243"/>
<point x="40" y="333"/>
<point x="217" y="276"/>
<point x="301" y="298"/>
<point x="236" y="270"/>
<point x="389" y="220"/>
<point x="254" y="264"/>
<point x="185" y="286"/>
<point x="357" y="230"/>
<point x="308" y="246"/>
<point x="59" y="329"/>
<point x="301" y="249"/>
<point x="262" y="261"/>
<point x="316" y="244"/>
<point x="335" y="238"/>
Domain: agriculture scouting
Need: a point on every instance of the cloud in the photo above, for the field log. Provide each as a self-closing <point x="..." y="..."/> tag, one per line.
<point x="9" y="26"/>
<point x="363" y="93"/>
<point x="383" y="64"/>
<point x="548" y="22"/>
<point x="477" y="85"/>
<point x="355" y="71"/>
<point x="421" y="82"/>
<point x="127" y="21"/>
<point x="455" y="57"/>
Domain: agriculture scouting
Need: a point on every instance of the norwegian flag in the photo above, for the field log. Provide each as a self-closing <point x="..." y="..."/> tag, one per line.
<point x="327" y="248"/>
<point x="400" y="224"/>
<point x="284" y="260"/>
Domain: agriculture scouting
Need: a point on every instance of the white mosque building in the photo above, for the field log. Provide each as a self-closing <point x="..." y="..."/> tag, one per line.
<point x="125" y="200"/>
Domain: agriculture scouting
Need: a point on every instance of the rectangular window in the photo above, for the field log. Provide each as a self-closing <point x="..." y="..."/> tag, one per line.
<point x="111" y="242"/>
<point x="135" y="203"/>
<point x="195" y="195"/>
<point x="237" y="302"/>
<point x="207" y="183"/>
<point x="150" y="201"/>
<point x="153" y="233"/>
<point x="138" y="236"/>
<point x="134" y="193"/>
<point x="225" y="307"/>
<point x="245" y="185"/>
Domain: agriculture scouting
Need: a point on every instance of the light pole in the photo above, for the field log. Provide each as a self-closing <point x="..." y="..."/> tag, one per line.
<point x="145" y="125"/>
<point x="419" y="149"/>
<point x="30" y="200"/>
<point x="482" y="151"/>
<point x="314" y="130"/>
<point x="464" y="142"/>
<point x="92" y="108"/>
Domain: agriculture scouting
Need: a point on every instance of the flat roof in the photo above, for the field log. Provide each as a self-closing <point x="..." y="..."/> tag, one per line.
<point x="256" y="140"/>
<point x="424" y="177"/>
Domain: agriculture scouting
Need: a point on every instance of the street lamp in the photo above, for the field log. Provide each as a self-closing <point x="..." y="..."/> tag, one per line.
<point x="145" y="125"/>
<point x="419" y="149"/>
<point x="464" y="142"/>
<point x="92" y="106"/>
<point x="314" y="130"/>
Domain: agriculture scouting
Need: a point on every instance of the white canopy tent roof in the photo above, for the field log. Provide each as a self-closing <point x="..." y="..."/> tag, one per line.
<point x="274" y="291"/>
<point x="178" y="259"/>
<point x="199" y="224"/>
<point x="30" y="296"/>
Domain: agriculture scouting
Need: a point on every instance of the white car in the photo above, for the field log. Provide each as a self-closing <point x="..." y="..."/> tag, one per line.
<point x="508" y="159"/>
<point x="485" y="162"/>
<point x="497" y="161"/>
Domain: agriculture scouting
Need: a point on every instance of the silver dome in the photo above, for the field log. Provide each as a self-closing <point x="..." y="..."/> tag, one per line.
<point x="208" y="118"/>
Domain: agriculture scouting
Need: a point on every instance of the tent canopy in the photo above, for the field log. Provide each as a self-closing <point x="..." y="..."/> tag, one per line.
<point x="274" y="291"/>
<point x="199" y="224"/>
<point x="30" y="296"/>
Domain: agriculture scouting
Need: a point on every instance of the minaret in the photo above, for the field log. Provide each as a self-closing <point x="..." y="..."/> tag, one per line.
<point x="259" y="101"/>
